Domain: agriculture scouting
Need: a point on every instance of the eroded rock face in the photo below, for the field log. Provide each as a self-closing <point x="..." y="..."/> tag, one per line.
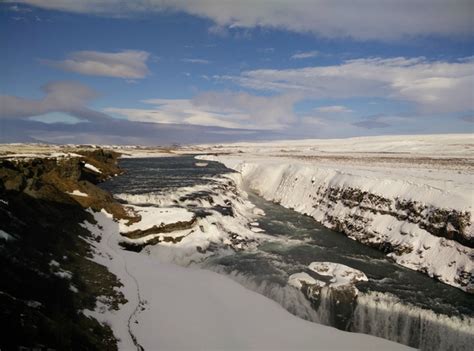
<point x="56" y="180"/>
<point x="420" y="227"/>
<point x="447" y="223"/>
<point x="402" y="229"/>
<point x="331" y="287"/>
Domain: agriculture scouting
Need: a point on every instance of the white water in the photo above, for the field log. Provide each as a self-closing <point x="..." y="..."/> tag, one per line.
<point x="386" y="316"/>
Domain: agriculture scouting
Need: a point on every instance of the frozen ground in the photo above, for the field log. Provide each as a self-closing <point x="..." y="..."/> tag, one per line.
<point x="411" y="196"/>
<point x="175" y="308"/>
<point x="35" y="150"/>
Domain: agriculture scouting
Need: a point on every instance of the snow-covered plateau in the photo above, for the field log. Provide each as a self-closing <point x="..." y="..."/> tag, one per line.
<point x="409" y="196"/>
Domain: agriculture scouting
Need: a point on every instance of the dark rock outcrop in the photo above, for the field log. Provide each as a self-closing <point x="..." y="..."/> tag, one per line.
<point x="47" y="276"/>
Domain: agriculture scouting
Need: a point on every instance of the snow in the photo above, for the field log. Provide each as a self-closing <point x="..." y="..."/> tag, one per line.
<point x="297" y="279"/>
<point x="63" y="274"/>
<point x="214" y="231"/>
<point x="78" y="193"/>
<point x="45" y="154"/>
<point x="155" y="216"/>
<point x="437" y="144"/>
<point x="130" y="153"/>
<point x="431" y="173"/>
<point x="341" y="275"/>
<point x="33" y="304"/>
<point x="5" y="236"/>
<point x="175" y="308"/>
<point x="92" y="168"/>
<point x="54" y="263"/>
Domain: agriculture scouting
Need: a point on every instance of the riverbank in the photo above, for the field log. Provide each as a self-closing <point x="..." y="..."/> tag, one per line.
<point x="410" y="197"/>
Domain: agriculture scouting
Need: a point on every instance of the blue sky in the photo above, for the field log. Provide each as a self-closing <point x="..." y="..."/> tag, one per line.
<point x="233" y="70"/>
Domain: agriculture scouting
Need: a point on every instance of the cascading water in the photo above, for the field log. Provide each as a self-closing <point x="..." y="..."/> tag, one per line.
<point x="386" y="316"/>
<point x="395" y="303"/>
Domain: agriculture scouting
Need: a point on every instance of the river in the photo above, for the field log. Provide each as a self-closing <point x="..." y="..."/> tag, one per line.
<point x="395" y="303"/>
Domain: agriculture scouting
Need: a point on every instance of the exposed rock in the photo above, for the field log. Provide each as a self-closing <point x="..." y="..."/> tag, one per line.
<point x="157" y="229"/>
<point x="332" y="284"/>
<point x="49" y="253"/>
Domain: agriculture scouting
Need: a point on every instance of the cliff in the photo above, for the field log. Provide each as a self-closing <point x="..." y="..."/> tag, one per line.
<point x="419" y="226"/>
<point x="47" y="275"/>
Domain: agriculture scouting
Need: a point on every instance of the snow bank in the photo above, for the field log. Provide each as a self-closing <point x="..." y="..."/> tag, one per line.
<point x="78" y="193"/>
<point x="439" y="144"/>
<point x="175" y="308"/>
<point x="92" y="168"/>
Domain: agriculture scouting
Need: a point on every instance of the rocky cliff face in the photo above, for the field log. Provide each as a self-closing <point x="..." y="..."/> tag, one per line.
<point x="47" y="278"/>
<point x="420" y="227"/>
<point x="451" y="224"/>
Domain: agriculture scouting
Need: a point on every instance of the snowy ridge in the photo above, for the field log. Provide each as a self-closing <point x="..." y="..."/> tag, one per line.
<point x="413" y="222"/>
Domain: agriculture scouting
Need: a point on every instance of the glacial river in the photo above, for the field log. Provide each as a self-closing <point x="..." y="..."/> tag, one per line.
<point x="396" y="303"/>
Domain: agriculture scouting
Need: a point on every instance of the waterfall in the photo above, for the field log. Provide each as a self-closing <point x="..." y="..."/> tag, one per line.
<point x="385" y="316"/>
<point x="375" y="313"/>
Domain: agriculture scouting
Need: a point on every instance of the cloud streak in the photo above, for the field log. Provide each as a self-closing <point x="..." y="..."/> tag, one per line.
<point x="196" y="60"/>
<point x="432" y="86"/>
<point x="60" y="96"/>
<point x="128" y="64"/>
<point x="218" y="109"/>
<point x="334" y="109"/>
<point x="304" y="55"/>
<point x="360" y="19"/>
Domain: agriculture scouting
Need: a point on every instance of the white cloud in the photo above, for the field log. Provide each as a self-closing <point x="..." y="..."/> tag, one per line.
<point x="432" y="86"/>
<point x="196" y="60"/>
<point x="305" y="55"/>
<point x="334" y="109"/>
<point x="174" y="111"/>
<point x="128" y="64"/>
<point x="220" y="109"/>
<point x="359" y="19"/>
<point x="266" y="50"/>
<point x="256" y="112"/>
<point x="60" y="96"/>
<point x="16" y="8"/>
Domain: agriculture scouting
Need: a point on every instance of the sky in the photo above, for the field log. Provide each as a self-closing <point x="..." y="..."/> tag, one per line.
<point x="158" y="72"/>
